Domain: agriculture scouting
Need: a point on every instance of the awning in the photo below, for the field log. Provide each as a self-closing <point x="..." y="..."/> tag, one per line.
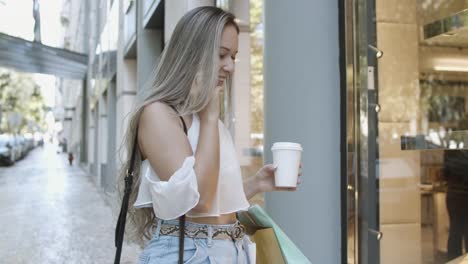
<point x="27" y="56"/>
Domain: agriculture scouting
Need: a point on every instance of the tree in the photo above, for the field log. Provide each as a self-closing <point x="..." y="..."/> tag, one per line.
<point x="20" y="94"/>
<point x="256" y="63"/>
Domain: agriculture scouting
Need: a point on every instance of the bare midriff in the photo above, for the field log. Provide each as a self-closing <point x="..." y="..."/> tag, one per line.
<point x="226" y="219"/>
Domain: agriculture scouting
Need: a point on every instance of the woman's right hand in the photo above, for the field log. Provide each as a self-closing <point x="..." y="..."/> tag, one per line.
<point x="212" y="110"/>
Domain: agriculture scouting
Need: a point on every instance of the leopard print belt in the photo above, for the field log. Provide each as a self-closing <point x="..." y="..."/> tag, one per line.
<point x="235" y="232"/>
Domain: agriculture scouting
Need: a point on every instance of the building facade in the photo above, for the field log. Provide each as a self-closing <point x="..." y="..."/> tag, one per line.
<point x="374" y="91"/>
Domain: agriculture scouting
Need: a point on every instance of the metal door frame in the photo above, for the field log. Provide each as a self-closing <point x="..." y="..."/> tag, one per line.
<point x="360" y="39"/>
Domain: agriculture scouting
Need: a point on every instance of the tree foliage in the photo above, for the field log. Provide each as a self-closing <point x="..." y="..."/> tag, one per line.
<point x="20" y="94"/>
<point x="256" y="63"/>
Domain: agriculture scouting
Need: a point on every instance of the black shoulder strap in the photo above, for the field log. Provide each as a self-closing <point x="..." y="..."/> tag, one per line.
<point x="182" y="218"/>
<point x="183" y="122"/>
<point x="120" y="227"/>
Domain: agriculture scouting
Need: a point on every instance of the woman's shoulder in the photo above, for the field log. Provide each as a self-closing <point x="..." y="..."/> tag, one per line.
<point x="158" y="112"/>
<point x="159" y="128"/>
<point x="157" y="107"/>
<point x="158" y="121"/>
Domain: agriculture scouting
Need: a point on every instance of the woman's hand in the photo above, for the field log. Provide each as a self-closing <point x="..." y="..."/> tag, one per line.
<point x="265" y="179"/>
<point x="212" y="110"/>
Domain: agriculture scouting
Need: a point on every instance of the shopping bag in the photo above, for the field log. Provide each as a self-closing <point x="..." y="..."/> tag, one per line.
<point x="273" y="245"/>
<point x="268" y="249"/>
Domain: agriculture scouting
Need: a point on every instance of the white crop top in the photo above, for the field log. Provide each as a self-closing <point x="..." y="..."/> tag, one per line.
<point x="176" y="197"/>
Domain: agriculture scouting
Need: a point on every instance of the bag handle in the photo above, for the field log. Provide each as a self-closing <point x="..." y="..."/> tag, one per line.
<point x="182" y="218"/>
<point x="120" y="227"/>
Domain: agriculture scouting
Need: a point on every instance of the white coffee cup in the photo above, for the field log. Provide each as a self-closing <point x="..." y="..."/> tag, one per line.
<point x="287" y="156"/>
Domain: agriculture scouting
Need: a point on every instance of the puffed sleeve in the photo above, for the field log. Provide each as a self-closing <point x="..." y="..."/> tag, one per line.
<point x="174" y="198"/>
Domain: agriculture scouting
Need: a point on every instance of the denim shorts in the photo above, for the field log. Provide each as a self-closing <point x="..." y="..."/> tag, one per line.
<point x="163" y="249"/>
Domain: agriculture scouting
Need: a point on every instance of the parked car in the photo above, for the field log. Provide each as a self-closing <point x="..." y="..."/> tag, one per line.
<point x="25" y="144"/>
<point x="7" y="152"/>
<point x="28" y="137"/>
<point x="16" y="145"/>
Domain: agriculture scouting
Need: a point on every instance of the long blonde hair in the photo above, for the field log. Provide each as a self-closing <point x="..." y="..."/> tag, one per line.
<point x="184" y="78"/>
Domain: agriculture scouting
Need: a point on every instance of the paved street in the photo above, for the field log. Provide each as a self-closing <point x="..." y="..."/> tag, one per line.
<point x="53" y="213"/>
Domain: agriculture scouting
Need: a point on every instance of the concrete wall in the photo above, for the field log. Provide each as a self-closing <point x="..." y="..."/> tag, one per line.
<point x="302" y="104"/>
<point x="174" y="10"/>
<point x="103" y="134"/>
<point x="149" y="48"/>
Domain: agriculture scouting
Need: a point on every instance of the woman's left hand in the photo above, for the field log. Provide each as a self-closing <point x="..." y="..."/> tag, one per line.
<point x="265" y="179"/>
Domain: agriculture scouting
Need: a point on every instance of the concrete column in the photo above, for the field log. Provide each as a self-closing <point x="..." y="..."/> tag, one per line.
<point x="103" y="133"/>
<point x="66" y="86"/>
<point x="126" y="93"/>
<point x="111" y="141"/>
<point x="125" y="90"/>
<point x="94" y="131"/>
<point x="302" y="104"/>
<point x="67" y="130"/>
<point x="84" y="123"/>
<point x="71" y="91"/>
<point x="102" y="140"/>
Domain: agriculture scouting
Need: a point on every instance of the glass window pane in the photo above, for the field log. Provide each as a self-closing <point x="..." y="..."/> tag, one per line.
<point x="243" y="104"/>
<point x="422" y="124"/>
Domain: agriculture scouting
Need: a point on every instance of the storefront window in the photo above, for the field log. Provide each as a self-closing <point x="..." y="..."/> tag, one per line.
<point x="256" y="92"/>
<point x="243" y="105"/>
<point x="417" y="131"/>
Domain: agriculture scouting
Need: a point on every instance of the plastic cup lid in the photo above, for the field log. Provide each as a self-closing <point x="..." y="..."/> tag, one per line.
<point x="286" y="145"/>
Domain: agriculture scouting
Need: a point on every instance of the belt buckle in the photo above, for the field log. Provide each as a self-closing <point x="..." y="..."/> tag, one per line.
<point x="236" y="232"/>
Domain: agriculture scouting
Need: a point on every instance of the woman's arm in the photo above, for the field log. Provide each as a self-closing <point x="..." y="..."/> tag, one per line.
<point x="250" y="187"/>
<point x="264" y="181"/>
<point x="207" y="155"/>
<point x="165" y="145"/>
<point x="207" y="163"/>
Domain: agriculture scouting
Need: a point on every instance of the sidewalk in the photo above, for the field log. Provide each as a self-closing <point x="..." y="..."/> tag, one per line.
<point x="54" y="213"/>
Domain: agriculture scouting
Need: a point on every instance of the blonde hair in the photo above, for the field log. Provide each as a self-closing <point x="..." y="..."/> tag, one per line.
<point x="184" y="78"/>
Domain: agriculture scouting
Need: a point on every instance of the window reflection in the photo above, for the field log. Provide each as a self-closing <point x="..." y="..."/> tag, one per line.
<point x="422" y="131"/>
<point x="242" y="109"/>
<point x="255" y="152"/>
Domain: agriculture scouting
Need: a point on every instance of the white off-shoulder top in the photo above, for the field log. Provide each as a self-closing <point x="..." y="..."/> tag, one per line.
<point x="176" y="197"/>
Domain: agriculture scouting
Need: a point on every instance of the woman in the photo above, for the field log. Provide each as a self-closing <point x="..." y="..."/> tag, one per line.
<point x="186" y="162"/>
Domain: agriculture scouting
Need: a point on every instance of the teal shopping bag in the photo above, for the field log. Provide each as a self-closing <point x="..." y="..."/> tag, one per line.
<point x="259" y="223"/>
